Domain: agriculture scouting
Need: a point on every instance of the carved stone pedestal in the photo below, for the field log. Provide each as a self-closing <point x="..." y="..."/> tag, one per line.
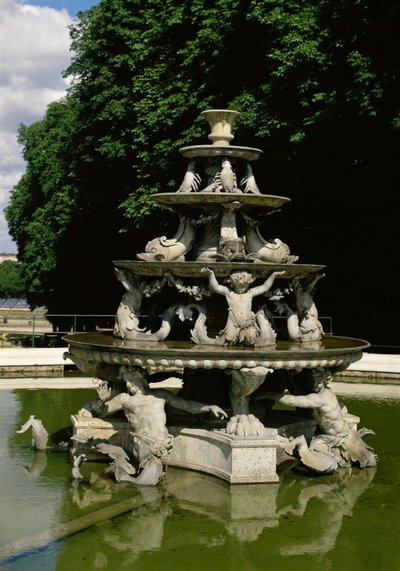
<point x="232" y="458"/>
<point x="114" y="431"/>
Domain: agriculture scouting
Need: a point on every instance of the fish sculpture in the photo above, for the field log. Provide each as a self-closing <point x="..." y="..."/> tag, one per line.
<point x="39" y="433"/>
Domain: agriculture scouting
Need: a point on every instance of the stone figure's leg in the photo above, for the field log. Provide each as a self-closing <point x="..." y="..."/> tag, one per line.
<point x="244" y="382"/>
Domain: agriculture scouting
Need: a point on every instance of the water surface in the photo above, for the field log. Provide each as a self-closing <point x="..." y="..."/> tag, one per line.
<point x="346" y="521"/>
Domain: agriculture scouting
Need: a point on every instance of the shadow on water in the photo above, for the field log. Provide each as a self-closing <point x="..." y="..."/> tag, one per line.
<point x="349" y="520"/>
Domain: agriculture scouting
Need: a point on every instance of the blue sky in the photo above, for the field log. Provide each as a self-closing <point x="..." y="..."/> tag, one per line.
<point x="72" y="6"/>
<point x="34" y="52"/>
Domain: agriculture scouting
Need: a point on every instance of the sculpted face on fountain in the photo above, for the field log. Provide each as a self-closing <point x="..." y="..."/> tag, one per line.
<point x="135" y="380"/>
<point x="240" y="281"/>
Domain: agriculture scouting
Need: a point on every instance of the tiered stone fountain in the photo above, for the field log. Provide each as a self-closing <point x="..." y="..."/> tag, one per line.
<point x="232" y="315"/>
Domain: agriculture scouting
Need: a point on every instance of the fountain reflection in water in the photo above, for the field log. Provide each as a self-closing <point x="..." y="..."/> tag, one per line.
<point x="173" y="523"/>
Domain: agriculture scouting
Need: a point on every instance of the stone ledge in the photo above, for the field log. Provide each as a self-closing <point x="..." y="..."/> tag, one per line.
<point x="373" y="367"/>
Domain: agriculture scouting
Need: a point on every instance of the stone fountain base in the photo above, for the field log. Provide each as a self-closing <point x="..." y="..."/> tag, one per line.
<point x="232" y="458"/>
<point x="235" y="459"/>
<point x="199" y="446"/>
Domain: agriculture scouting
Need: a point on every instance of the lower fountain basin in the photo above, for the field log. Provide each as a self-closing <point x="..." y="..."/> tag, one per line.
<point x="99" y="348"/>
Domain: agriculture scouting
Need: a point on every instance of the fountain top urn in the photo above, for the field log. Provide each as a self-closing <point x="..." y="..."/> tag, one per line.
<point x="221" y="122"/>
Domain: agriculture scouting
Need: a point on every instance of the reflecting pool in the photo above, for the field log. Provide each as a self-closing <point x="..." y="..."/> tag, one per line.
<point x="346" y="521"/>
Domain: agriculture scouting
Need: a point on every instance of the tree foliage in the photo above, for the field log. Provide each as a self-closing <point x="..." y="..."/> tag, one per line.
<point x="317" y="85"/>
<point x="11" y="282"/>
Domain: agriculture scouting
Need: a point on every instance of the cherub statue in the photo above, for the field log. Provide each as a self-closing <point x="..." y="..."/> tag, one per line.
<point x="338" y="443"/>
<point x="241" y="326"/>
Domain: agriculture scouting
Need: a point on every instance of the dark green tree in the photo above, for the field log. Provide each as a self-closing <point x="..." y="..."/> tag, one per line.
<point x="11" y="282"/>
<point x="317" y="85"/>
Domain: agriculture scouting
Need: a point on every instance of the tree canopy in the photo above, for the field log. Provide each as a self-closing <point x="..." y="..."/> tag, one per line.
<point x="11" y="282"/>
<point x="317" y="85"/>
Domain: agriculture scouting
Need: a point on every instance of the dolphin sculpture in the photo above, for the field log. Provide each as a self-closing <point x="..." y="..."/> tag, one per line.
<point x="39" y="433"/>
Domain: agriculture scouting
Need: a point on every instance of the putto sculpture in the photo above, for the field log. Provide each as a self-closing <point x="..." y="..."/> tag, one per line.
<point x="243" y="326"/>
<point x="232" y="316"/>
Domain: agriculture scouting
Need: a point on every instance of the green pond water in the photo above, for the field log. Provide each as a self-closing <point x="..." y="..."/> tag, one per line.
<point x="347" y="521"/>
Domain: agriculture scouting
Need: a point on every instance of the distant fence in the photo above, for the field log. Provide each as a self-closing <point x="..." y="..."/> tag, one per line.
<point x="32" y="329"/>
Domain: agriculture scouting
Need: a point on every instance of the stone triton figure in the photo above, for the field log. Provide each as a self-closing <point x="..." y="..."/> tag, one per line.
<point x="338" y="443"/>
<point x="144" y="409"/>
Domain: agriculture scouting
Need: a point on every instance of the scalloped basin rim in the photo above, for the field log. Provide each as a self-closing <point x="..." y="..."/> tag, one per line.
<point x="248" y="153"/>
<point x="203" y="199"/>
<point x="328" y="346"/>
<point x="221" y="269"/>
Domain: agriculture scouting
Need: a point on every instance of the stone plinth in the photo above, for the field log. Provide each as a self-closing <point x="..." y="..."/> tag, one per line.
<point x="233" y="458"/>
<point x="115" y="431"/>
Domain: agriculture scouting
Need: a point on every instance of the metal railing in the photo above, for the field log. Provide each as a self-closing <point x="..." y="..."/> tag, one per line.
<point x="46" y="329"/>
<point x="31" y="329"/>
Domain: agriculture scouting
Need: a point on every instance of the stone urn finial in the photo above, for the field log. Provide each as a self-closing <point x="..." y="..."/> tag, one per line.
<point x="221" y="121"/>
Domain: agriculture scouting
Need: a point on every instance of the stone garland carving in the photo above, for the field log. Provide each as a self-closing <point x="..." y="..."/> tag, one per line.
<point x="195" y="291"/>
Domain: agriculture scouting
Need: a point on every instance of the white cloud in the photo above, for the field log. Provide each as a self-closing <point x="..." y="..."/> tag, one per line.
<point x="34" y="52"/>
<point x="7" y="181"/>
